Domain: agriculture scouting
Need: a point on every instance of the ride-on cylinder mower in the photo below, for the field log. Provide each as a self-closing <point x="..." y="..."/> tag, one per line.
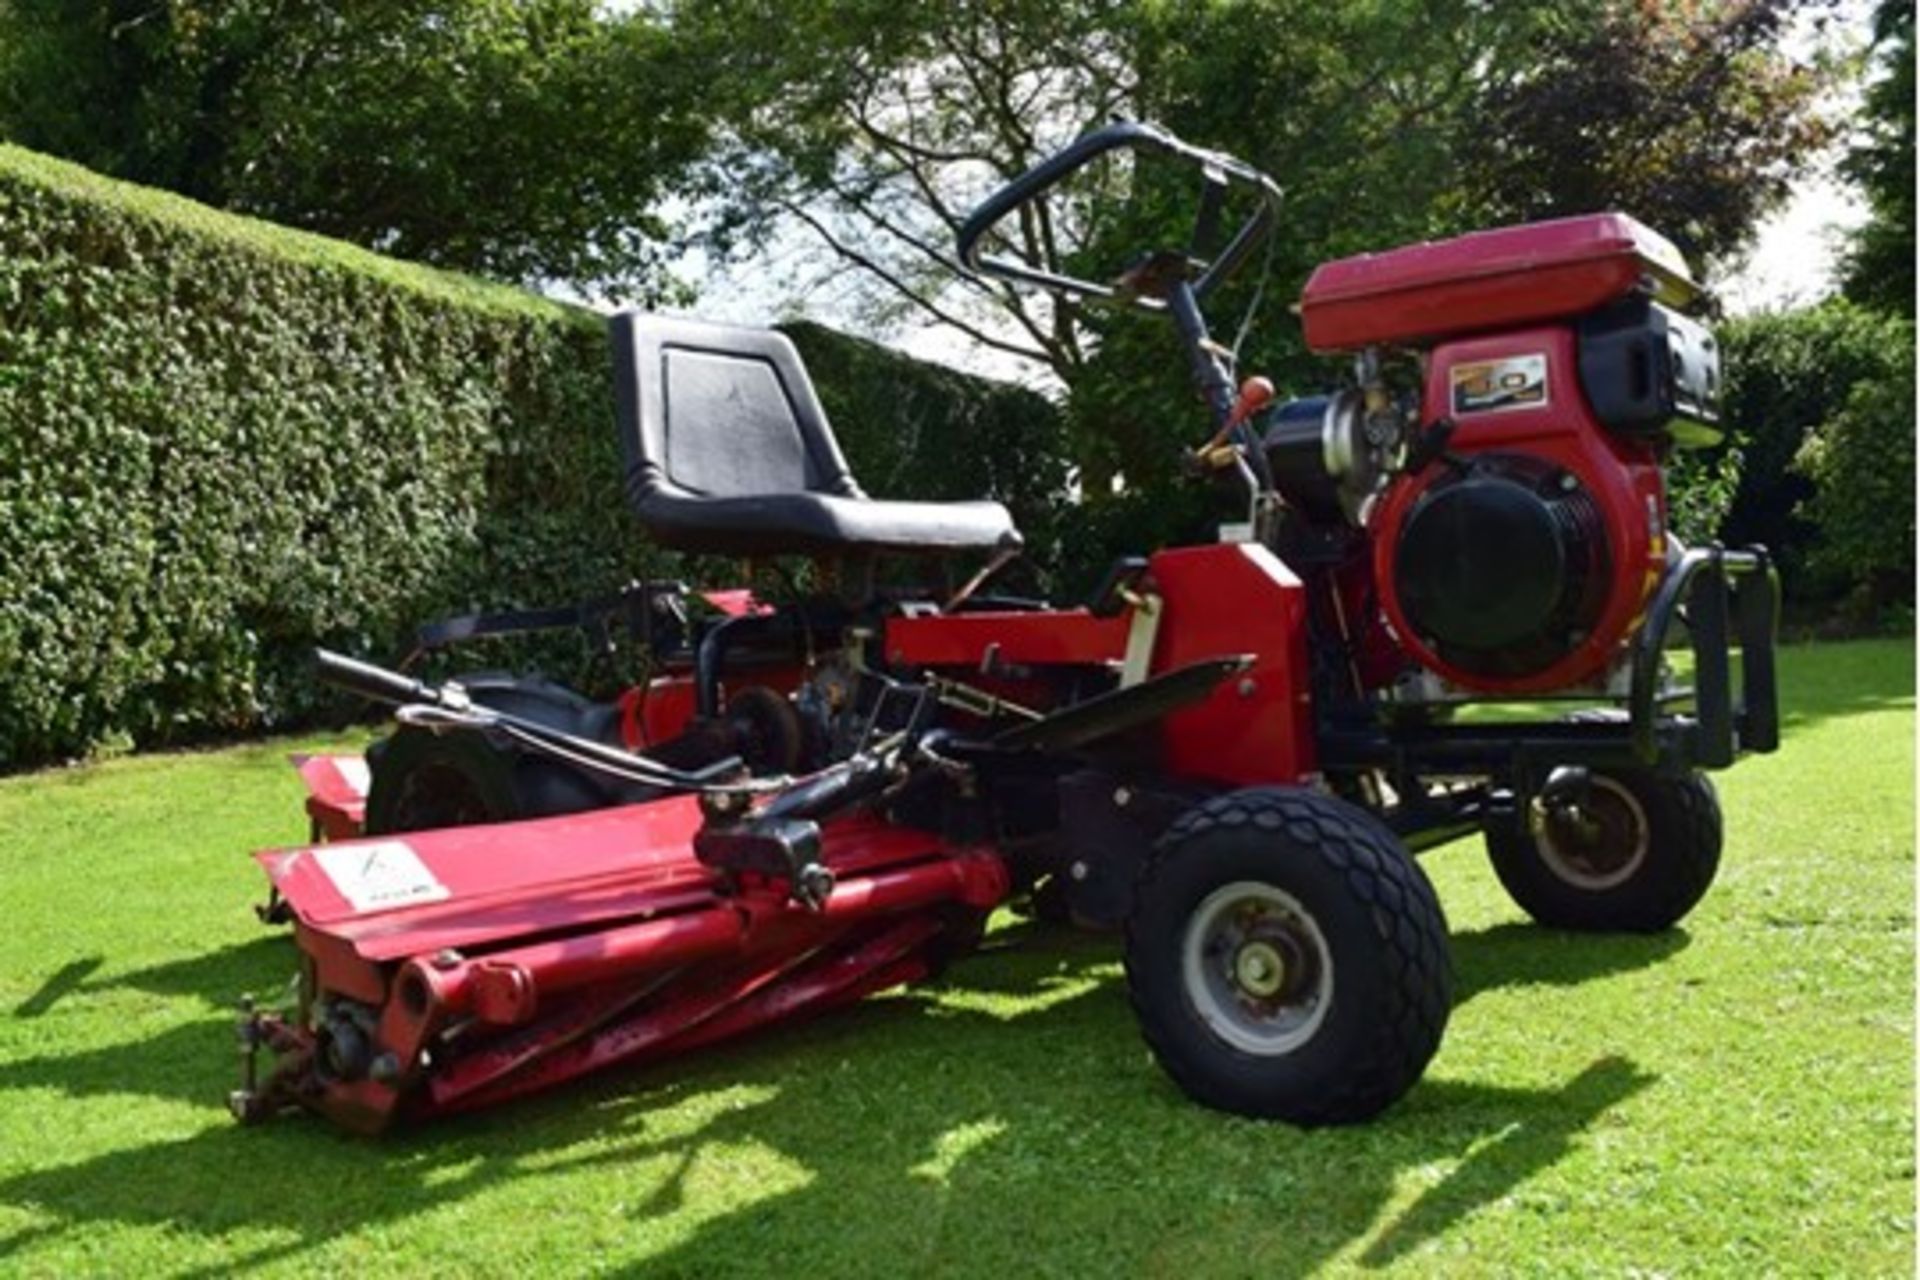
<point x="1229" y="751"/>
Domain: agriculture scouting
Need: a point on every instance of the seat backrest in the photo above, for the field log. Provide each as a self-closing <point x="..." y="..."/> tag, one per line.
<point x="715" y="411"/>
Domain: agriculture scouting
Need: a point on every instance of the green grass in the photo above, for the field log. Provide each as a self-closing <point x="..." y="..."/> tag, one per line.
<point x="1732" y="1098"/>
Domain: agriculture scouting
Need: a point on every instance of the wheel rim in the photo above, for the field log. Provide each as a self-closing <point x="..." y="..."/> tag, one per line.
<point x="1600" y="845"/>
<point x="1256" y="968"/>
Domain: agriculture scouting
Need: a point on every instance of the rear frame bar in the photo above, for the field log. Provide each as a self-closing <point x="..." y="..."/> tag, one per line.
<point x="1721" y="596"/>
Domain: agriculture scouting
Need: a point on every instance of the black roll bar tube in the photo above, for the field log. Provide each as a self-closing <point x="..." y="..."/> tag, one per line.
<point x="1077" y="155"/>
<point x="1724" y="592"/>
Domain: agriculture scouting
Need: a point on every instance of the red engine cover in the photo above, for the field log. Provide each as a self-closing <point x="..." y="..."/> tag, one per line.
<point x="1497" y="279"/>
<point x="1543" y="414"/>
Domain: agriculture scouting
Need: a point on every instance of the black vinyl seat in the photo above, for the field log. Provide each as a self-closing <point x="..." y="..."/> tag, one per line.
<point x="728" y="451"/>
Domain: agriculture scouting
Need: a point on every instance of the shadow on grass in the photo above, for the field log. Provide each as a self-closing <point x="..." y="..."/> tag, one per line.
<point x="1078" y="1143"/>
<point x="218" y="977"/>
<point x="1525" y="955"/>
<point x="1804" y="711"/>
<point x="70" y="977"/>
<point x="183" y="1062"/>
<point x="1538" y="1136"/>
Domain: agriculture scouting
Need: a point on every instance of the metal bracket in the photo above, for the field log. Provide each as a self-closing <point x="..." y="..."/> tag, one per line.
<point x="1143" y="629"/>
<point x="1725" y="593"/>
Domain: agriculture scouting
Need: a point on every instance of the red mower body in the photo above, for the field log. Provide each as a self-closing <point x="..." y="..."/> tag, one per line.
<point x="1618" y="476"/>
<point x="1510" y="327"/>
<point x="1232" y="749"/>
<point x="523" y="971"/>
<point x="1506" y="278"/>
<point x="486" y="962"/>
<point x="1230" y="598"/>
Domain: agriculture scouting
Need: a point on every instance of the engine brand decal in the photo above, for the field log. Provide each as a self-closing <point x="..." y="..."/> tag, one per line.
<point x="1490" y="386"/>
<point x="379" y="877"/>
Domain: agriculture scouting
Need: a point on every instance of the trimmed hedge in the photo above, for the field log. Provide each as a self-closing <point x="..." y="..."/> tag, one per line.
<point x="222" y="442"/>
<point x="1861" y="462"/>
<point x="1789" y="373"/>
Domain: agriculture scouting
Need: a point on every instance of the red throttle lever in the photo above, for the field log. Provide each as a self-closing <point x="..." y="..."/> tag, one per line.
<point x="1255" y="395"/>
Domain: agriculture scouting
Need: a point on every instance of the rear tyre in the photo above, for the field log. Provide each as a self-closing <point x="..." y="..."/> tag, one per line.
<point x="1286" y="959"/>
<point x="1636" y="857"/>
<point x="424" y="781"/>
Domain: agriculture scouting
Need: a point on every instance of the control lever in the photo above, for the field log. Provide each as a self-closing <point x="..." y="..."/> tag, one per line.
<point x="1255" y="394"/>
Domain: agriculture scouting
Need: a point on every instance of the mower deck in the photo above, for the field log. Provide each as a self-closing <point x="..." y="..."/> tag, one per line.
<point x="473" y="964"/>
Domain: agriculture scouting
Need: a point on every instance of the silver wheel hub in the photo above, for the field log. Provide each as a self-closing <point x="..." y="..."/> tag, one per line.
<point x="1256" y="969"/>
<point x="1600" y="844"/>
<point x="1259" y="969"/>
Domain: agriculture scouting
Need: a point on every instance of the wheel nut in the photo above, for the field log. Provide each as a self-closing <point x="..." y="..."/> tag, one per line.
<point x="1259" y="970"/>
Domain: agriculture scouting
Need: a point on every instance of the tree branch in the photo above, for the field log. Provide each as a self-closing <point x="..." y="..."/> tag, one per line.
<point x="879" y="271"/>
<point x="1008" y="299"/>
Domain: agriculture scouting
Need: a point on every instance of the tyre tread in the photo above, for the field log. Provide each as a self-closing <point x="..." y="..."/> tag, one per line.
<point x="1407" y="918"/>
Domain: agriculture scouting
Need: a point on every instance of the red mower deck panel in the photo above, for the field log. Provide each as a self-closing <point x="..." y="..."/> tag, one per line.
<point x="444" y="928"/>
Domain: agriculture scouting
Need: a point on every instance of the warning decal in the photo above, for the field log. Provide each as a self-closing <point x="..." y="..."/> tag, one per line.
<point x="379" y="877"/>
<point x="354" y="772"/>
<point x="1489" y="386"/>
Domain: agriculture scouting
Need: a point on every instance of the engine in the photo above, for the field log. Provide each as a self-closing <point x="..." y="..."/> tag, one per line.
<point x="1512" y="492"/>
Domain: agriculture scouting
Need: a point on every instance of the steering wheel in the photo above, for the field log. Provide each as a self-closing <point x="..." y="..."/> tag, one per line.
<point x="1149" y="281"/>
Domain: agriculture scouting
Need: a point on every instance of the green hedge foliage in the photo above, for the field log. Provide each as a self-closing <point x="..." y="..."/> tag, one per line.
<point x="1788" y="374"/>
<point x="222" y="442"/>
<point x="1861" y="462"/>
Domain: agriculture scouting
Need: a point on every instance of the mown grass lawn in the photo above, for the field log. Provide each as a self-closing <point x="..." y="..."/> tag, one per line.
<point x="1733" y="1098"/>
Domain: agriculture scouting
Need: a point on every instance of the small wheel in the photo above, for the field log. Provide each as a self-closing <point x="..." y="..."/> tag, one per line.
<point x="1287" y="959"/>
<point x="1634" y="857"/>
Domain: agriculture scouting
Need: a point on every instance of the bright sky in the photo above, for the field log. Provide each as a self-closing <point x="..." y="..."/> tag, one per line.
<point x="1795" y="257"/>
<point x="1796" y="253"/>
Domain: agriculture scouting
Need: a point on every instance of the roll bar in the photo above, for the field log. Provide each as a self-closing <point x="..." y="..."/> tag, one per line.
<point x="1219" y="168"/>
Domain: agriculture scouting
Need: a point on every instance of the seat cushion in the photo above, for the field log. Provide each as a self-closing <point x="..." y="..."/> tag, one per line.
<point x="802" y="523"/>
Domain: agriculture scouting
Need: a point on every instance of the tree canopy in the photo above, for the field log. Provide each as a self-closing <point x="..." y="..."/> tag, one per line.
<point x="1688" y="116"/>
<point x="875" y="127"/>
<point x="1879" y="270"/>
<point x="575" y="142"/>
<point x="522" y="139"/>
<point x="592" y="143"/>
<point x="549" y="140"/>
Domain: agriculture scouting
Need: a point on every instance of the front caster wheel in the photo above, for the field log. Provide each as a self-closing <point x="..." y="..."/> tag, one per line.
<point x="1633" y="856"/>
<point x="1286" y="959"/>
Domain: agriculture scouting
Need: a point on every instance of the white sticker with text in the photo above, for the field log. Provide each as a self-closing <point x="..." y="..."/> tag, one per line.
<point x="379" y="877"/>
